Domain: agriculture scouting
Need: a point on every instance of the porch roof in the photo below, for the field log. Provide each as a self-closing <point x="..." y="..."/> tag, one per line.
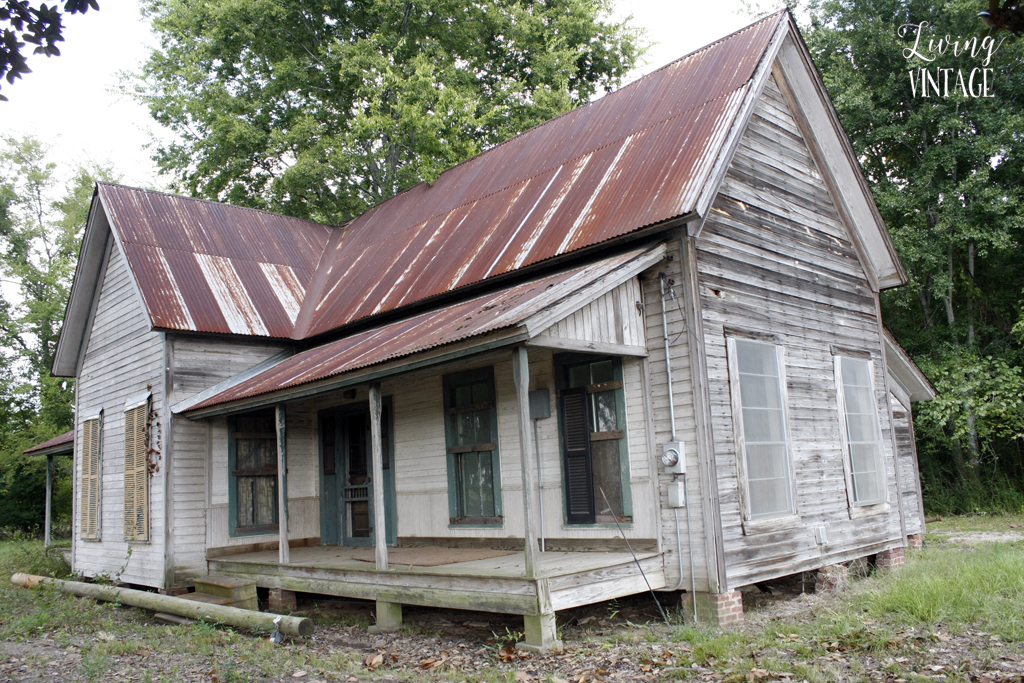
<point x="58" y="445"/>
<point x="526" y="309"/>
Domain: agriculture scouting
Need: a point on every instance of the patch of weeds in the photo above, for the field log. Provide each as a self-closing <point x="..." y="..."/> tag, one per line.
<point x="30" y="557"/>
<point x="508" y="638"/>
<point x="94" y="665"/>
<point x="982" y="587"/>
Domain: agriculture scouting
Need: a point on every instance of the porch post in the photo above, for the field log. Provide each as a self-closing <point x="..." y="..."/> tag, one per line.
<point x="379" y="527"/>
<point x="49" y="498"/>
<point x="521" y="371"/>
<point x="284" y="553"/>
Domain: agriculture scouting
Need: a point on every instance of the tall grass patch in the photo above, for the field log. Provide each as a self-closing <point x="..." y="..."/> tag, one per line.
<point x="984" y="587"/>
<point x="29" y="557"/>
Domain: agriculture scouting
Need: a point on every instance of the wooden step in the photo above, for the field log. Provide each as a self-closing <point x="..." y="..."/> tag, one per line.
<point x="235" y="590"/>
<point x="207" y="598"/>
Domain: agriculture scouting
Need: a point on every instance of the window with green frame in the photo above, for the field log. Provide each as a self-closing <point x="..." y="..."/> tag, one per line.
<point x="595" y="456"/>
<point x="471" y="432"/>
<point x="252" y="461"/>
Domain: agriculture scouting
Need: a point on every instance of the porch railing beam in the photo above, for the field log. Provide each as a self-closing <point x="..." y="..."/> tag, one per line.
<point x="49" y="499"/>
<point x="284" y="553"/>
<point x="521" y="371"/>
<point x="377" y="451"/>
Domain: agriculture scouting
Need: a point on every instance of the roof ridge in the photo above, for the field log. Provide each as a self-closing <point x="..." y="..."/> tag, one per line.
<point x="580" y="108"/>
<point x="175" y="195"/>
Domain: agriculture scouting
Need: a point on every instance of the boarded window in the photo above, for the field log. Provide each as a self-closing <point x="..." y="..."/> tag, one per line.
<point x="136" y="474"/>
<point x="759" y="405"/>
<point x="594" y="442"/>
<point x="90" y="502"/>
<point x="471" y="434"/>
<point x="863" y="434"/>
<point x="253" y="462"/>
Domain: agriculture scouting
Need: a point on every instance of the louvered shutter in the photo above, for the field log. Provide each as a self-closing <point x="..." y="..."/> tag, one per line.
<point x="90" y="502"/>
<point x="136" y="474"/>
<point x="579" y="479"/>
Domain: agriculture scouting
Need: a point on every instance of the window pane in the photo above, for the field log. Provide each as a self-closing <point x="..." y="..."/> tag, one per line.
<point x="862" y="431"/>
<point x="764" y="429"/>
<point x="477" y="484"/>
<point x="607" y="477"/>
<point x="579" y="376"/>
<point x="481" y="392"/>
<point x="463" y="396"/>
<point x="602" y="371"/>
<point x="257" y="502"/>
<point x="762" y="424"/>
<point x="482" y="425"/>
<point x="866" y="478"/>
<point x="603" y="405"/>
<point x="756" y="358"/>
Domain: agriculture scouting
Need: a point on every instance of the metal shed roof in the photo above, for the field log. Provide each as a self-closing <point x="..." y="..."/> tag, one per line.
<point x="504" y="309"/>
<point x="637" y="157"/>
<point x="58" y="445"/>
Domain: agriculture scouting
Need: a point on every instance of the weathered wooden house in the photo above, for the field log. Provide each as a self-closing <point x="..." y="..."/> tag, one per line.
<point x="654" y="318"/>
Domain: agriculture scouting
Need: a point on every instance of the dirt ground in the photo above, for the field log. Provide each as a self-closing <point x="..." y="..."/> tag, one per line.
<point x="789" y="636"/>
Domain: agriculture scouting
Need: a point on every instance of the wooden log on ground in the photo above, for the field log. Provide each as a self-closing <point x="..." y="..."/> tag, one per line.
<point x="292" y="626"/>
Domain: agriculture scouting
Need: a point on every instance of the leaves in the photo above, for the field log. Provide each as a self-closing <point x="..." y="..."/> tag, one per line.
<point x="323" y="110"/>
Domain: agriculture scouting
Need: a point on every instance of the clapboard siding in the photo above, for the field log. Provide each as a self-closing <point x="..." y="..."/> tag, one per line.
<point x="686" y="430"/>
<point x="610" y="319"/>
<point x="198" y="363"/>
<point x="910" y="480"/>
<point x="420" y="463"/>
<point x="123" y="359"/>
<point x="774" y="257"/>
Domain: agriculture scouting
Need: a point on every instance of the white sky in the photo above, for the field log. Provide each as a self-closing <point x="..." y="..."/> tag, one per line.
<point x="71" y="101"/>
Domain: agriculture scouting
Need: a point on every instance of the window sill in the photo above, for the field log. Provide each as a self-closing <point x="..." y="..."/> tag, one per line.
<point x="599" y="525"/>
<point x="862" y="511"/>
<point x="476" y="526"/>
<point x="258" y="531"/>
<point x="752" y="527"/>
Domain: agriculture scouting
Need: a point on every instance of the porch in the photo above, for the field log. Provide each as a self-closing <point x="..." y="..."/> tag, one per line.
<point x="490" y="580"/>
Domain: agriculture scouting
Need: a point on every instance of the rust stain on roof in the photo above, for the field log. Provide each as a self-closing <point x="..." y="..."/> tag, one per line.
<point x="634" y="158"/>
<point x="499" y="310"/>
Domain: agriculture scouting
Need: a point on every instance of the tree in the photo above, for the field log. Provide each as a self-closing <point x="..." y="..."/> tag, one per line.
<point x="945" y="172"/>
<point x="40" y="233"/>
<point x="323" y="109"/>
<point x="42" y="26"/>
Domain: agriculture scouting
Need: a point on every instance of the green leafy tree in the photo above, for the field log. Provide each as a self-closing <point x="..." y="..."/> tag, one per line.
<point x="323" y="109"/>
<point x="946" y="174"/>
<point x="41" y="228"/>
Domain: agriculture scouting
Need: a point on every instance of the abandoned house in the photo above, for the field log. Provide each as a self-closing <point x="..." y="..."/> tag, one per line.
<point x="653" y="319"/>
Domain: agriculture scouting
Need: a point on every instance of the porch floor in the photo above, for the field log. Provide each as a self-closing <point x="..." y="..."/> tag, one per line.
<point x="494" y="584"/>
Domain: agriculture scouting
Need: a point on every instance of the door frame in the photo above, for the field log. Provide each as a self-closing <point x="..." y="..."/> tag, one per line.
<point x="390" y="502"/>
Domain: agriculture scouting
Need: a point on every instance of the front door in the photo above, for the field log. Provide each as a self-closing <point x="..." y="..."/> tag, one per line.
<point x="346" y="470"/>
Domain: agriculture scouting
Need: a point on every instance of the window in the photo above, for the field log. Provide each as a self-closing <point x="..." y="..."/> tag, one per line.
<point x="861" y="431"/>
<point x="471" y="431"/>
<point x="758" y="387"/>
<point x="252" y="454"/>
<point x="136" y="473"/>
<point x="90" y="502"/>
<point x="594" y="452"/>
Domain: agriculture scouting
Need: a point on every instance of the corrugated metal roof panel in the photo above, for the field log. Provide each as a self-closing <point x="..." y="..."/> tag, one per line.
<point x="499" y="310"/>
<point x="211" y="267"/>
<point x="636" y="157"/>
<point x="58" y="445"/>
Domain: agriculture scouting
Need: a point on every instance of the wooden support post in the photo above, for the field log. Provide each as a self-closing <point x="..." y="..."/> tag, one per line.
<point x="49" y="499"/>
<point x="389" y="617"/>
<point x="284" y="552"/>
<point x="521" y="371"/>
<point x="379" y="525"/>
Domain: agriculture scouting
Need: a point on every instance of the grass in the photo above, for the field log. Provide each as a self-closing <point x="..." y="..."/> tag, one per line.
<point x="887" y="626"/>
<point x="30" y="557"/>
<point x="979" y="522"/>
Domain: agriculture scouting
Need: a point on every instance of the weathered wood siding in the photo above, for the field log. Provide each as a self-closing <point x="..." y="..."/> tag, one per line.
<point x="610" y="319"/>
<point x="910" y="477"/>
<point x="676" y="546"/>
<point x="196" y="364"/>
<point x="421" y="478"/>
<point x="123" y="359"/>
<point x="774" y="258"/>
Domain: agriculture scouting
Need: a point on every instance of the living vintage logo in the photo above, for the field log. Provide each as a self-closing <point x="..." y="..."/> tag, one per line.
<point x="937" y="81"/>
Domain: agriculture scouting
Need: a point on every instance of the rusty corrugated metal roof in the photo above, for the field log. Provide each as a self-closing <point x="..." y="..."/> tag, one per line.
<point x="58" y="445"/>
<point x="210" y="267"/>
<point x="636" y="157"/>
<point x="499" y="310"/>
